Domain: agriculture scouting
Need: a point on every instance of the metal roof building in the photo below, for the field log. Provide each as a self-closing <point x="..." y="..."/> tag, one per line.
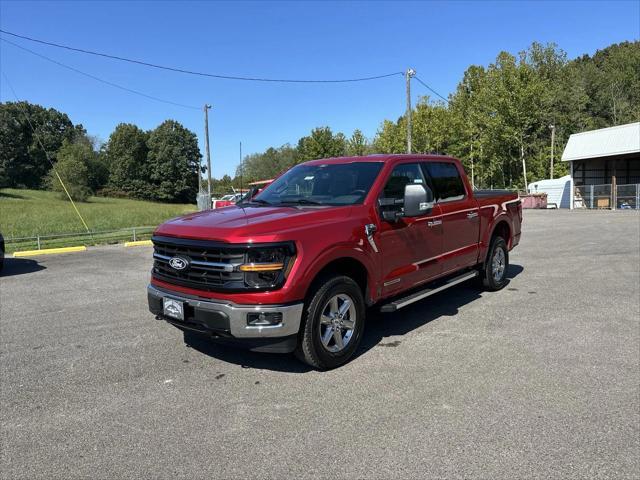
<point x="605" y="167"/>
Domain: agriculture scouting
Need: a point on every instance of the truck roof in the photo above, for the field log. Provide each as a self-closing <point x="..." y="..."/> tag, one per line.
<point x="380" y="157"/>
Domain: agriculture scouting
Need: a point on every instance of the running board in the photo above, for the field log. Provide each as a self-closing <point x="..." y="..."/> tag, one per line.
<point x="414" y="297"/>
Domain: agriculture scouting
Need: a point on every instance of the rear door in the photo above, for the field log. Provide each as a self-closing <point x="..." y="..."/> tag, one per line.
<point x="410" y="247"/>
<point x="460" y="215"/>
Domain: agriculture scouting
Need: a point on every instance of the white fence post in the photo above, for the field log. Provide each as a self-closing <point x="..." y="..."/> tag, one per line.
<point x="38" y="242"/>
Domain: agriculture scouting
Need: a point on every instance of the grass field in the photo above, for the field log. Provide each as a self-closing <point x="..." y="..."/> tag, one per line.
<point x="26" y="213"/>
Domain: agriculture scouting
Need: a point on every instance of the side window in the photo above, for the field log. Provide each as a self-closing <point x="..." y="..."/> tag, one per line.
<point x="402" y="175"/>
<point x="393" y="193"/>
<point x="446" y="181"/>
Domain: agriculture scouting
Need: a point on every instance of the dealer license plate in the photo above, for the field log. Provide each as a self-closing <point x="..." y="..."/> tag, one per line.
<point x="173" y="308"/>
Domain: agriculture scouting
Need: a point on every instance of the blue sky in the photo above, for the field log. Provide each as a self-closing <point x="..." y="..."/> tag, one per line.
<point x="282" y="40"/>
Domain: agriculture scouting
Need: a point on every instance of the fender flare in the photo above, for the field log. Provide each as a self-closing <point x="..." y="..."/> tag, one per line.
<point x="343" y="252"/>
<point x="502" y="217"/>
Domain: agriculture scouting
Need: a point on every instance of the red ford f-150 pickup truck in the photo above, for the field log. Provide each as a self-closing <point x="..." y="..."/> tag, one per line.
<point x="295" y="268"/>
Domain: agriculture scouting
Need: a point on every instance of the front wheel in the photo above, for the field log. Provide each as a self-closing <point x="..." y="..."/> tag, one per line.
<point x="333" y="324"/>
<point x="494" y="270"/>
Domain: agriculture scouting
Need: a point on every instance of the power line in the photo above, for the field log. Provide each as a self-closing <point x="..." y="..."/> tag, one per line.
<point x="431" y="89"/>
<point x="191" y="72"/>
<point x="130" y="90"/>
<point x="46" y="153"/>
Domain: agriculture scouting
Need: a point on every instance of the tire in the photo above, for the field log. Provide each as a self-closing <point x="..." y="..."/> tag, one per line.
<point x="318" y="343"/>
<point x="494" y="270"/>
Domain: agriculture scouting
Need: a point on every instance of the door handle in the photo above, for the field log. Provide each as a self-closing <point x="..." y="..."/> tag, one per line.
<point x="433" y="223"/>
<point x="471" y="215"/>
<point x="369" y="230"/>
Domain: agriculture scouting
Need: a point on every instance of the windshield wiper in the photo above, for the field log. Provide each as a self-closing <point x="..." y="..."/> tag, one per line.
<point x="259" y="201"/>
<point x="300" y="201"/>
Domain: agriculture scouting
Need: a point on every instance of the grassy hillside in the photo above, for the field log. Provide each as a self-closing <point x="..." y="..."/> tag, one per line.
<point x="26" y="213"/>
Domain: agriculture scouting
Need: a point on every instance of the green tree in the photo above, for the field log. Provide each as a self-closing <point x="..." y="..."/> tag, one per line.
<point x="72" y="168"/>
<point x="126" y="155"/>
<point x="173" y="163"/>
<point x="321" y="143"/>
<point x="431" y="127"/>
<point x="391" y="137"/>
<point x="23" y="162"/>
<point x="357" y="145"/>
<point x="221" y="186"/>
<point x="270" y="163"/>
<point x="611" y="79"/>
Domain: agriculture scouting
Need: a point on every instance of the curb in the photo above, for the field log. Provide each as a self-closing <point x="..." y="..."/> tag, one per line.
<point x="139" y="243"/>
<point x="47" y="251"/>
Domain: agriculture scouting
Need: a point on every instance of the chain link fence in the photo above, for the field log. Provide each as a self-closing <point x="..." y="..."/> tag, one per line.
<point x="628" y="196"/>
<point x="38" y="242"/>
<point x="602" y="196"/>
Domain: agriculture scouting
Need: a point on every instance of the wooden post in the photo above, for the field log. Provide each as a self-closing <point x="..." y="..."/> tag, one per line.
<point x="614" y="187"/>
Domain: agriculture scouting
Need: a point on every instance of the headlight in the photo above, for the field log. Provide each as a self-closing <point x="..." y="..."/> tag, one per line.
<point x="267" y="266"/>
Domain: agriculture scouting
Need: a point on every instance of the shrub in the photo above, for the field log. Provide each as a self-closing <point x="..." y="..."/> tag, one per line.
<point x="72" y="169"/>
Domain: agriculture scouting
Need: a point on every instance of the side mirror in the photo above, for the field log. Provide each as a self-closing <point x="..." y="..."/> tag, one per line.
<point x="418" y="200"/>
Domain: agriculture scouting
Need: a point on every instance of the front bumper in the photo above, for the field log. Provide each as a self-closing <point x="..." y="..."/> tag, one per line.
<point x="226" y="320"/>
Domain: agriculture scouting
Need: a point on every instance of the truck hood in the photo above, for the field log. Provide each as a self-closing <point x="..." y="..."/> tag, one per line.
<point x="252" y="223"/>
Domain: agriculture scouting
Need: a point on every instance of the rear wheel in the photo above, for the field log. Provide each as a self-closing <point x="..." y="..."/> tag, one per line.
<point x="494" y="270"/>
<point x="333" y="323"/>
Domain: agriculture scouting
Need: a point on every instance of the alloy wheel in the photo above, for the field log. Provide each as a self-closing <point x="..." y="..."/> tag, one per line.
<point x="498" y="264"/>
<point x="337" y="322"/>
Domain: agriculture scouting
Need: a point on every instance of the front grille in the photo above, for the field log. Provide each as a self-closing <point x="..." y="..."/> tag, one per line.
<point x="212" y="265"/>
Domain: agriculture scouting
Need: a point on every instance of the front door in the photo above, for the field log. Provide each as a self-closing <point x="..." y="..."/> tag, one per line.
<point x="410" y="247"/>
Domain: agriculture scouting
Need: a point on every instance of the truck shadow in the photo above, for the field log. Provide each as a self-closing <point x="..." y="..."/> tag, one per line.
<point x="20" y="266"/>
<point x="245" y="358"/>
<point x="379" y="327"/>
<point x="443" y="304"/>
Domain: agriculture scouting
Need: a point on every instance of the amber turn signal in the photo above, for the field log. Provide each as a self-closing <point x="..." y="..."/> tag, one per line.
<point x="261" y="267"/>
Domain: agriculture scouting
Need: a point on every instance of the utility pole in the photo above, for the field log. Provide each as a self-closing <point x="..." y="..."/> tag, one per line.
<point x="206" y="147"/>
<point x="408" y="74"/>
<point x="553" y="141"/>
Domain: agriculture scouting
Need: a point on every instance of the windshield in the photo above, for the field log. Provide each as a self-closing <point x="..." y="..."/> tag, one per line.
<point x="328" y="184"/>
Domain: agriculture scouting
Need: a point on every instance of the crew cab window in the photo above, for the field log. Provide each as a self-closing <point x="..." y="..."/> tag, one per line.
<point x="402" y="175"/>
<point x="446" y="181"/>
<point x="392" y="196"/>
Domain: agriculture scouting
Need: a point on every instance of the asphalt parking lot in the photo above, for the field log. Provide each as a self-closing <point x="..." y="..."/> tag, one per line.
<point x="540" y="379"/>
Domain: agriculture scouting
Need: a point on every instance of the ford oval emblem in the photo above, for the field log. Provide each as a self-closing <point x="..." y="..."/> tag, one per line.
<point x="179" y="263"/>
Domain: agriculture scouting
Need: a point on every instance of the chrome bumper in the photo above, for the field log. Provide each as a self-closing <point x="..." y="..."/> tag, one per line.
<point x="236" y="314"/>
